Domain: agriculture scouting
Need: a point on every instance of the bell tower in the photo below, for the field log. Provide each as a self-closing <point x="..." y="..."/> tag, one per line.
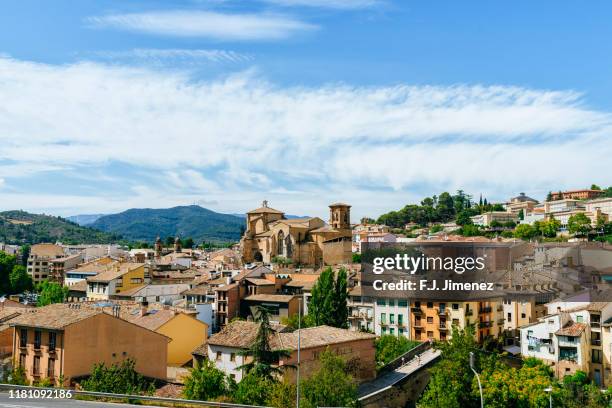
<point x="340" y="216"/>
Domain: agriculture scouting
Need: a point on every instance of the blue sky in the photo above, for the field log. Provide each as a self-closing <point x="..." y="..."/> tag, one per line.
<point x="109" y="105"/>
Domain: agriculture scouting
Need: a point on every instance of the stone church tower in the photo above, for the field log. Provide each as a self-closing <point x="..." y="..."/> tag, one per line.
<point x="340" y="216"/>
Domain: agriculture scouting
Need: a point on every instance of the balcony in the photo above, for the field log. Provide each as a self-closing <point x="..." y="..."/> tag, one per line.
<point x="500" y="308"/>
<point x="595" y="342"/>
<point x="416" y="310"/>
<point x="469" y="313"/>
<point x="442" y="327"/>
<point x="418" y="324"/>
<point x="486" y="309"/>
<point x="442" y="311"/>
<point x="483" y="325"/>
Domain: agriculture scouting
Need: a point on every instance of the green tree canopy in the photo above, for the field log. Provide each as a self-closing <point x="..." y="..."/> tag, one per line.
<point x="328" y="303"/>
<point x="389" y="347"/>
<point x="51" y="292"/>
<point x="206" y="382"/>
<point x="525" y="231"/>
<point x="579" y="224"/>
<point x="331" y="385"/>
<point x="119" y="378"/>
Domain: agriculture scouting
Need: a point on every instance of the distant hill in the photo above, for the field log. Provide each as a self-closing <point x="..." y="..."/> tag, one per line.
<point x="192" y="221"/>
<point x="20" y="227"/>
<point x="84" y="219"/>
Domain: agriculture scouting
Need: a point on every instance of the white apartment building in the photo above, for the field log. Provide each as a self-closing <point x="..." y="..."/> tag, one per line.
<point x="392" y="316"/>
<point x="361" y="311"/>
<point x="603" y="204"/>
<point x="485" y="219"/>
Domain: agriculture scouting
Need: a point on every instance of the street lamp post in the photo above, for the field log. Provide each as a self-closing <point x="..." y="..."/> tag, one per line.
<point x="477" y="377"/>
<point x="297" y="390"/>
<point x="549" y="391"/>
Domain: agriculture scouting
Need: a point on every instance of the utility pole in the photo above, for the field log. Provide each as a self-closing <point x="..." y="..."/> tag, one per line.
<point x="477" y="377"/>
<point x="297" y="390"/>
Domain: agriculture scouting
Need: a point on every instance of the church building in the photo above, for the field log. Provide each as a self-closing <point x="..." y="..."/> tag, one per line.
<point x="302" y="241"/>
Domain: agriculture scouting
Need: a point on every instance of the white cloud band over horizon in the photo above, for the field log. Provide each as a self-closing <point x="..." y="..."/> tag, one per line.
<point x="239" y="139"/>
<point x="206" y="24"/>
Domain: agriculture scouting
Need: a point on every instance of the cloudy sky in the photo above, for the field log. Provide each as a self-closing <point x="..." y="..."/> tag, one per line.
<point x="112" y="104"/>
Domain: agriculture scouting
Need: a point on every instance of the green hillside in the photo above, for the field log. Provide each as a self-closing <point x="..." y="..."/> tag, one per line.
<point x="192" y="221"/>
<point x="20" y="227"/>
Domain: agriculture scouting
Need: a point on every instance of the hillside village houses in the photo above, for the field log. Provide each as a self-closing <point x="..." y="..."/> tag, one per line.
<point x="189" y="304"/>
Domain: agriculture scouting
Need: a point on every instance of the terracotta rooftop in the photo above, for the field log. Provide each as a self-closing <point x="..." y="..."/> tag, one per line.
<point x="259" y="281"/>
<point x="571" y="329"/>
<point x="238" y="334"/>
<point x="319" y="336"/>
<point x="241" y="334"/>
<point x="262" y="210"/>
<point x="80" y="286"/>
<point x="56" y="316"/>
<point x="7" y="314"/>
<point x="270" y="298"/>
<point x="115" y="272"/>
<point x="226" y="287"/>
<point x="47" y="250"/>
<point x="198" y="290"/>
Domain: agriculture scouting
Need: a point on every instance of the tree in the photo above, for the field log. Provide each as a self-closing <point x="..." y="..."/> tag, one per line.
<point x="19" y="279"/>
<point x="206" y="382"/>
<point x="282" y="395"/>
<point x="188" y="243"/>
<point x="470" y="231"/>
<point x="328" y="301"/>
<point x="119" y="378"/>
<point x="331" y="385"/>
<point x="550" y="227"/>
<point x="549" y="196"/>
<point x="595" y="187"/>
<point x="521" y="214"/>
<point x="169" y="242"/>
<point x="253" y="389"/>
<point x="451" y="379"/>
<point x="339" y="301"/>
<point x="264" y="360"/>
<point x="51" y="292"/>
<point x="7" y="263"/>
<point x="389" y="347"/>
<point x="525" y="232"/>
<point x="579" y="224"/>
<point x="463" y="218"/>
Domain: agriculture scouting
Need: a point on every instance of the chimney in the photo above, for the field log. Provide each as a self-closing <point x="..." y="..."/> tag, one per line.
<point x="144" y="305"/>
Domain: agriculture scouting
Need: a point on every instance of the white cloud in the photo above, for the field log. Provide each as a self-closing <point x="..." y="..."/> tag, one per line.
<point x="240" y="139"/>
<point x="175" y="55"/>
<point x="208" y="24"/>
<point x="334" y="4"/>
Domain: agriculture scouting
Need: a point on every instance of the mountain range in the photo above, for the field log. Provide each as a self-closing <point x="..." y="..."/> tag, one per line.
<point x="145" y="224"/>
<point x="21" y="227"/>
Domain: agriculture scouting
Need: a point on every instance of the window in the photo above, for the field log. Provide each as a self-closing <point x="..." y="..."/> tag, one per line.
<point x="400" y="331"/>
<point x="391" y="302"/>
<point x="402" y="303"/>
<point x="381" y="302"/>
<point x="430" y="335"/>
<point x="417" y="304"/>
<point x="37" y="339"/>
<point x="429" y="305"/>
<point x="455" y="322"/>
<point x="523" y="315"/>
<point x="36" y="367"/>
<point x="442" y="307"/>
<point x="455" y="306"/>
<point x="383" y="318"/>
<point x="579" y="319"/>
<point x="384" y="330"/>
<point x="400" y="319"/>
<point x="233" y="357"/>
<point x="52" y="338"/>
<point x="218" y="356"/>
<point x="392" y="331"/>
<point x="22" y="358"/>
<point x="596" y="356"/>
<point x="509" y="317"/>
<point x="429" y="319"/>
<point x="23" y="337"/>
<point x="392" y="318"/>
<point x="51" y="368"/>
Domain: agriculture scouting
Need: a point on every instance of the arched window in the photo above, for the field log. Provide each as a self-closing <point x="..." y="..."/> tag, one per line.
<point x="288" y="246"/>
<point x="280" y="240"/>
